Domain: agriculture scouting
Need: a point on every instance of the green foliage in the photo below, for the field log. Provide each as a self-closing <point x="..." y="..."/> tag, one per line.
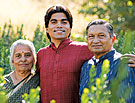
<point x="116" y="91"/>
<point x="40" y="39"/>
<point x="120" y="13"/>
<point x="2" y="93"/>
<point x="126" y="42"/>
<point x="125" y="45"/>
<point x="32" y="97"/>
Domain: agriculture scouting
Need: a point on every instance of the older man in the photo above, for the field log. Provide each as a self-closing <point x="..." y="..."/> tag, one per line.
<point x="100" y="39"/>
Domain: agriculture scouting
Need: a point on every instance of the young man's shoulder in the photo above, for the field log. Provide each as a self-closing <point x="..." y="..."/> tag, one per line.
<point x="43" y="49"/>
<point x="76" y="43"/>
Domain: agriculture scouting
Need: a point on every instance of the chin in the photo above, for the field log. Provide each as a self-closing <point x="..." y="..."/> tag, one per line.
<point x="25" y="69"/>
<point x="97" y="51"/>
<point x="61" y="38"/>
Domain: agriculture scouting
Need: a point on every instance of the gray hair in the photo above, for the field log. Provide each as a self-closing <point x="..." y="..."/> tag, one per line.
<point x="101" y="22"/>
<point x="21" y="42"/>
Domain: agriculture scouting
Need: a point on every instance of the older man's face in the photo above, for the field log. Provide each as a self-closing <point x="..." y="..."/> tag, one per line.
<point x="99" y="41"/>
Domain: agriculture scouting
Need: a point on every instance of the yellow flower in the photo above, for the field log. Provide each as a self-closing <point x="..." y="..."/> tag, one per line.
<point x="86" y="90"/>
<point x="52" y="101"/>
<point x="4" y="82"/>
<point x="93" y="89"/>
<point x="25" y="94"/>
<point x="1" y="71"/>
<point x="98" y="81"/>
<point x="106" y="101"/>
<point x="94" y="101"/>
<point x="106" y="64"/>
<point x="129" y="3"/>
<point x="32" y="90"/>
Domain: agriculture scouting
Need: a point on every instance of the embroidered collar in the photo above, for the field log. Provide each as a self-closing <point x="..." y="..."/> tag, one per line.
<point x="63" y="44"/>
<point x="106" y="56"/>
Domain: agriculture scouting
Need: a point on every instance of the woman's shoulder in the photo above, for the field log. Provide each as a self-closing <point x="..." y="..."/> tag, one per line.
<point x="35" y="76"/>
<point x="32" y="83"/>
<point x="8" y="84"/>
<point x="7" y="78"/>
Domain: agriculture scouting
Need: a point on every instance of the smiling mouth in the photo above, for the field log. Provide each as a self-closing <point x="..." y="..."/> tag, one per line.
<point x="23" y="64"/>
<point x="96" y="46"/>
<point x="59" y="31"/>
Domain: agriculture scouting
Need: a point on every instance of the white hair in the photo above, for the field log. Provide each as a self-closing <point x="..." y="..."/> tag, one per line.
<point x="21" y="42"/>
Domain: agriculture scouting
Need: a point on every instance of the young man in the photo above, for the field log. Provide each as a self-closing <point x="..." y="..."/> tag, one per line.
<point x="60" y="63"/>
<point x="100" y="39"/>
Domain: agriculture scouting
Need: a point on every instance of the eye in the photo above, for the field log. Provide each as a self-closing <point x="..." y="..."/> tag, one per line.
<point x="27" y="54"/>
<point x="53" y="21"/>
<point x="90" y="36"/>
<point x="17" y="55"/>
<point x="64" y="22"/>
<point x="101" y="35"/>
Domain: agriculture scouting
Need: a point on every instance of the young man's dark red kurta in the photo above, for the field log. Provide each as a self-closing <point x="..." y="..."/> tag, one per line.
<point x="60" y="63"/>
<point x="60" y="71"/>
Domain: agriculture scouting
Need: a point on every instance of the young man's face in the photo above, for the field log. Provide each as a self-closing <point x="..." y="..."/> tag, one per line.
<point x="99" y="41"/>
<point x="58" y="27"/>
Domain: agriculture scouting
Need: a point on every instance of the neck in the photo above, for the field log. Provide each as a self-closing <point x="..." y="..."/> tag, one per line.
<point x="57" y="42"/>
<point x="98" y="55"/>
<point x="17" y="76"/>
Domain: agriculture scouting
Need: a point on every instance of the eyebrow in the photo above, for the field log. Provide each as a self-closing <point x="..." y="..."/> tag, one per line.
<point x="98" y="33"/>
<point x="21" y="52"/>
<point x="53" y="20"/>
<point x="64" y="20"/>
<point x="56" y="20"/>
<point x="101" y="33"/>
<point x="17" y="54"/>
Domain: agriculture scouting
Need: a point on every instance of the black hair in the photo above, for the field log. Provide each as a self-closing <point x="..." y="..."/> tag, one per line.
<point x="57" y="9"/>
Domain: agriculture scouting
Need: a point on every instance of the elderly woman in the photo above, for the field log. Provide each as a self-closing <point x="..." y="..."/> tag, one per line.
<point x="21" y="79"/>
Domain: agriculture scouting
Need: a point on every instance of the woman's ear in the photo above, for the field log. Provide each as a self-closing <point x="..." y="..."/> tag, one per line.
<point x="12" y="61"/>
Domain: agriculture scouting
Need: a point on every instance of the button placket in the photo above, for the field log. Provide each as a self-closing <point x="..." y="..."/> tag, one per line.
<point x="56" y="66"/>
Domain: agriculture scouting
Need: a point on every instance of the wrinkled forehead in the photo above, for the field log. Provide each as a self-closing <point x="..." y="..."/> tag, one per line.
<point x="97" y="28"/>
<point x="22" y="48"/>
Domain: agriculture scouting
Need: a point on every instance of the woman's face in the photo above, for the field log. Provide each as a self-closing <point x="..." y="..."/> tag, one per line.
<point x="23" y="59"/>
